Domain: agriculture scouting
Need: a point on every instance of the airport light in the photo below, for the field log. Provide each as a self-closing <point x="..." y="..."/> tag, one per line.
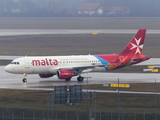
<point x="151" y="67"/>
<point x="154" y="67"/>
<point x="94" y="33"/>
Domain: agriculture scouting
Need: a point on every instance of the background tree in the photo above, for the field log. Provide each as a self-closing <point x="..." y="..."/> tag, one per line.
<point x="1" y="7"/>
<point x="25" y="6"/>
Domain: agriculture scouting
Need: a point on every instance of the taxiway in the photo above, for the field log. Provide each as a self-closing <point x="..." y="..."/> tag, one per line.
<point x="14" y="81"/>
<point x="11" y="32"/>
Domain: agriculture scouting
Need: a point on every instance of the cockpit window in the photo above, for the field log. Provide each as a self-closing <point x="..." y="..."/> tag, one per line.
<point x="17" y="63"/>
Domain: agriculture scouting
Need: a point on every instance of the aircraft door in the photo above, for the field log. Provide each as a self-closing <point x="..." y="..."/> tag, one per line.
<point x="27" y="65"/>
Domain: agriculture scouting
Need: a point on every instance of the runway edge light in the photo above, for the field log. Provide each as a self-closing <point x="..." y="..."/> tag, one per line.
<point x="120" y="85"/>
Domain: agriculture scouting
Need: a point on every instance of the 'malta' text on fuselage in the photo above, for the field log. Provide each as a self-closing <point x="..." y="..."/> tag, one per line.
<point x="44" y="62"/>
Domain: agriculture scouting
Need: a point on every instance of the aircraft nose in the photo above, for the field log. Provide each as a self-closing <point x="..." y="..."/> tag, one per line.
<point x="8" y="68"/>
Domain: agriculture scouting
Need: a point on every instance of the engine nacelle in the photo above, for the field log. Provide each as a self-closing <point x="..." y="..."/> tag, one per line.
<point x="45" y="75"/>
<point x="65" y="74"/>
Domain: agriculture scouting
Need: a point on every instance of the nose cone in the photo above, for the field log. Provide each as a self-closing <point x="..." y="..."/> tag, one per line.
<point x="8" y="69"/>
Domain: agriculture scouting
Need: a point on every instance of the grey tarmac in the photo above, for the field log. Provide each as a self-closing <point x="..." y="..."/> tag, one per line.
<point x="14" y="81"/>
<point x="11" y="32"/>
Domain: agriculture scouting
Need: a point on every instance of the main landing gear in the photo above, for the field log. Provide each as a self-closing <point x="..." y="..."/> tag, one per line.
<point x="24" y="80"/>
<point x="68" y="79"/>
<point x="80" y="79"/>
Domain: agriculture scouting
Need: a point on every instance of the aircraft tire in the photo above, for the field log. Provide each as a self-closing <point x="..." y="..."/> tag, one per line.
<point x="80" y="79"/>
<point x="68" y="79"/>
<point x="24" y="80"/>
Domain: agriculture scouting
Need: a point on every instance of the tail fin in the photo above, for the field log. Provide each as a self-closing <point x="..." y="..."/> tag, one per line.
<point x="135" y="46"/>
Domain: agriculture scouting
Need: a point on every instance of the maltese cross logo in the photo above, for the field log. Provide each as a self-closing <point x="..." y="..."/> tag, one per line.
<point x="137" y="46"/>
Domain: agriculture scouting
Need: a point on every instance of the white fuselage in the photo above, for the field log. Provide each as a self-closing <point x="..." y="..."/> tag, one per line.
<point x="50" y="64"/>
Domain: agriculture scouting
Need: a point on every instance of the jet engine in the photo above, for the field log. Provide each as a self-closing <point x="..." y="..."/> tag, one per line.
<point x="45" y="75"/>
<point x="65" y="74"/>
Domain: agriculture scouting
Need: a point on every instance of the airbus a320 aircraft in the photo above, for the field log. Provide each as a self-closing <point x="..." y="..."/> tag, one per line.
<point x="65" y="67"/>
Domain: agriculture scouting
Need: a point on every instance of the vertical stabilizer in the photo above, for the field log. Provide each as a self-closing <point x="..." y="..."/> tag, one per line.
<point x="135" y="46"/>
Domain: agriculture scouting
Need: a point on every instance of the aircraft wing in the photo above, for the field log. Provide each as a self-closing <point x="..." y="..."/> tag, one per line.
<point x="81" y="67"/>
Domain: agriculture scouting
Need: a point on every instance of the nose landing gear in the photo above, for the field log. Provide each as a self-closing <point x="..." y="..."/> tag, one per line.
<point x="24" y="80"/>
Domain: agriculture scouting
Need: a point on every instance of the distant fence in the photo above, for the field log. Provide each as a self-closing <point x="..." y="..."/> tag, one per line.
<point x="68" y="115"/>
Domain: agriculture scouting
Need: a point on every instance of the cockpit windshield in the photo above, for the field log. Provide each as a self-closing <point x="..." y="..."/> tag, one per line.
<point x="17" y="63"/>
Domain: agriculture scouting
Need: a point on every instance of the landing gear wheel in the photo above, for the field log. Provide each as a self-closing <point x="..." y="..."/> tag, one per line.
<point x="80" y="79"/>
<point x="24" y="80"/>
<point x="68" y="79"/>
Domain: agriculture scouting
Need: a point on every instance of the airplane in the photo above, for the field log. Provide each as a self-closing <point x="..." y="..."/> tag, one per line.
<point x="66" y="67"/>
